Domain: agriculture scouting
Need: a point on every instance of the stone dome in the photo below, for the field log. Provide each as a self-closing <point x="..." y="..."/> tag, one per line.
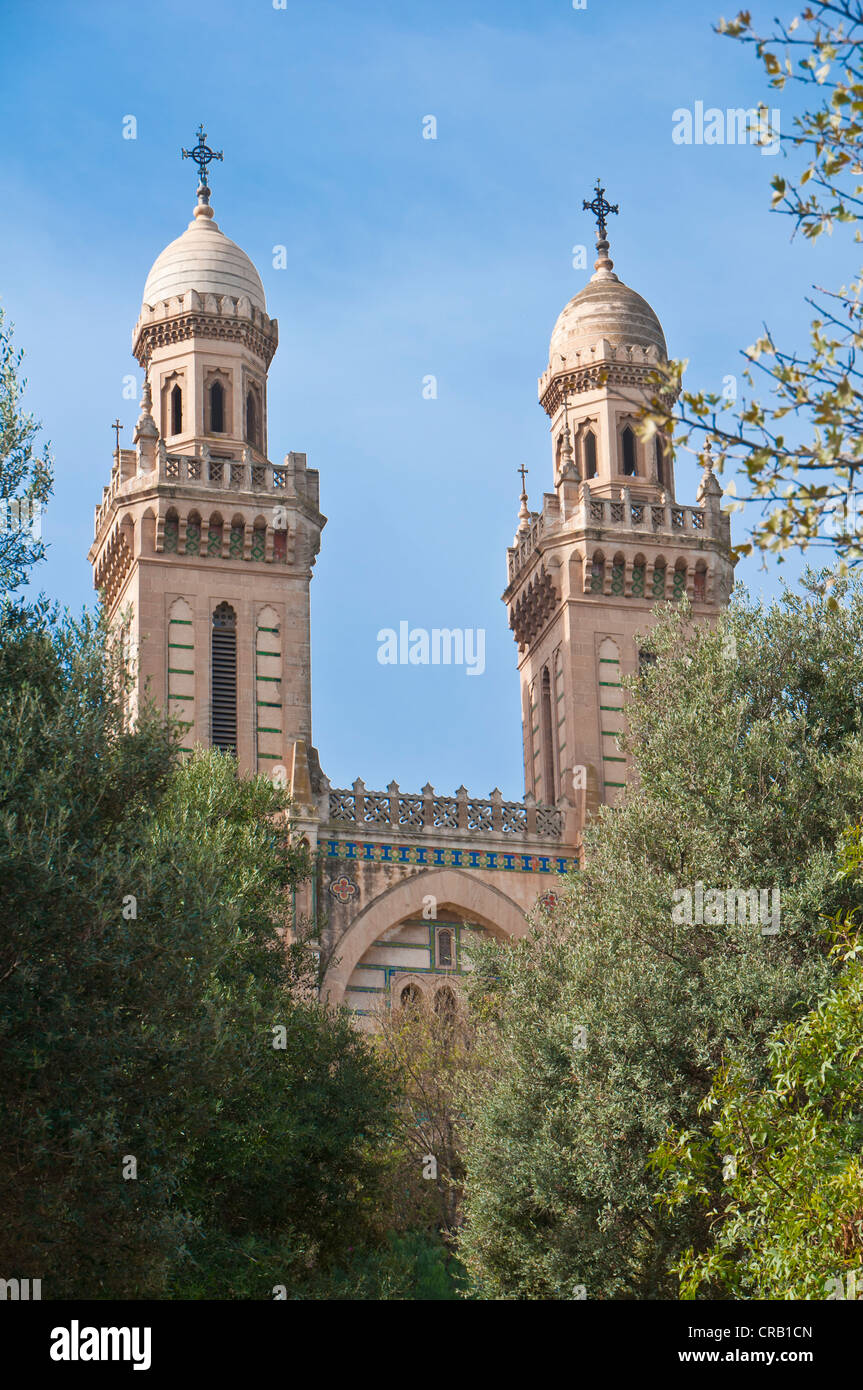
<point x="204" y="259"/>
<point x="605" y="308"/>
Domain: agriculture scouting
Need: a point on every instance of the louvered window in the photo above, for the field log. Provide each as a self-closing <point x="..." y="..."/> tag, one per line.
<point x="224" y="678"/>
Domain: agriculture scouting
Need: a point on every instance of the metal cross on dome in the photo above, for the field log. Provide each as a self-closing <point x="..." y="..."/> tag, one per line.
<point x="202" y="154"/>
<point x="600" y="209"/>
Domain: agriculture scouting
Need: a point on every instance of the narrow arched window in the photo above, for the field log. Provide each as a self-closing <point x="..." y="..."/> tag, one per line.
<point x="224" y="679"/>
<point x="701" y="583"/>
<point x="546" y="727"/>
<point x="444" y="947"/>
<point x="660" y="461"/>
<point x="597" y="575"/>
<point x="590" y="454"/>
<point x="252" y="418"/>
<point x="217" y="408"/>
<point x="176" y="410"/>
<point x="627" y="440"/>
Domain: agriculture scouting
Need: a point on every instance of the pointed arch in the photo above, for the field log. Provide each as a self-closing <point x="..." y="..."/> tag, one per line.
<point x="639" y="571"/>
<point x="629" y="452"/>
<point x="589" y="454"/>
<point x="176" y="399"/>
<point x="597" y="573"/>
<point x="469" y="897"/>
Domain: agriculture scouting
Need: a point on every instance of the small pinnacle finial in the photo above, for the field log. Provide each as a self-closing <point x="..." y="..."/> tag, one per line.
<point x="600" y="207"/>
<point x="145" y="427"/>
<point x="523" y="512"/>
<point x="708" y="455"/>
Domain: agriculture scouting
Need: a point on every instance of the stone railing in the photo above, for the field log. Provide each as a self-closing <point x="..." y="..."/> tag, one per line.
<point x="641" y="516"/>
<point x="427" y="812"/>
<point x="288" y="479"/>
<point x="240" y="475"/>
<point x="630" y="513"/>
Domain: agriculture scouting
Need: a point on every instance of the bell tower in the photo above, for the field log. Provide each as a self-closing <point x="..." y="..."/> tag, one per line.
<point x="203" y="543"/>
<point x="587" y="569"/>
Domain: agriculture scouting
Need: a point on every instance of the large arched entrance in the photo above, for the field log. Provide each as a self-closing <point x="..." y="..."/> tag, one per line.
<point x="420" y="927"/>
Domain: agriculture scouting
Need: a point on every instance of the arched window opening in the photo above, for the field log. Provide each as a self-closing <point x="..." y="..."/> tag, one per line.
<point x="171" y="533"/>
<point x="660" y="461"/>
<point x="628" y="442"/>
<point x="590" y="454"/>
<point x="410" y="997"/>
<point x="224" y="679"/>
<point x="176" y="410"/>
<point x="638" y="577"/>
<point x="215" y="536"/>
<point x="548" y="792"/>
<point x="193" y="534"/>
<point x="444" y="948"/>
<point x="597" y="575"/>
<point x="700" y="587"/>
<point x="659" y="579"/>
<point x="678" y="587"/>
<point x="253" y="418"/>
<point x="618" y="573"/>
<point x="217" y="408"/>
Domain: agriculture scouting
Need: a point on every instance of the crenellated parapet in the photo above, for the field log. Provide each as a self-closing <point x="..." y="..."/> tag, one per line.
<point x="218" y="318"/>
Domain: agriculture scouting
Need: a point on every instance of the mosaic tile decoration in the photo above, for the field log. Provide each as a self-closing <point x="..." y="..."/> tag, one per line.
<point x="431" y="857"/>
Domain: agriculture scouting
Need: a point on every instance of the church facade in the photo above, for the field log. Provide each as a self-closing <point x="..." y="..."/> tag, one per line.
<point x="205" y="548"/>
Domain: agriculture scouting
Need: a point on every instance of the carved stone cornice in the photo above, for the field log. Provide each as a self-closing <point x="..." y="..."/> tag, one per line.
<point x="196" y="324"/>
<point x="594" y="376"/>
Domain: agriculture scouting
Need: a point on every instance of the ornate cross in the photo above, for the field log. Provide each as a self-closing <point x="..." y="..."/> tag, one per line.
<point x="523" y="471"/>
<point x="202" y="154"/>
<point x="600" y="209"/>
<point x="116" y="427"/>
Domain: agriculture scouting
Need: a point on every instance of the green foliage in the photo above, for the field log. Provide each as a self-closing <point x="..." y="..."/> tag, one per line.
<point x="748" y="749"/>
<point x="799" y="450"/>
<point x="410" y="1265"/>
<point x="780" y="1170"/>
<point x="431" y="1056"/>
<point x="21" y="474"/>
<point x="143" y="969"/>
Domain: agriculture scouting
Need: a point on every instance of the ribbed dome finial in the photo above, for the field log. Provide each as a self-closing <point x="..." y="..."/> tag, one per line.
<point x="600" y="207"/>
<point x="202" y="208"/>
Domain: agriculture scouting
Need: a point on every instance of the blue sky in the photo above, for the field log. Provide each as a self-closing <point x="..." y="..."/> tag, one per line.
<point x="405" y="257"/>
